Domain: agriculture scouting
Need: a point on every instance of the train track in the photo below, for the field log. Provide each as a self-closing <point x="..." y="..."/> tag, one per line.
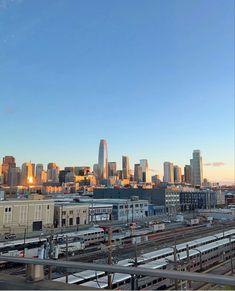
<point x="156" y="241"/>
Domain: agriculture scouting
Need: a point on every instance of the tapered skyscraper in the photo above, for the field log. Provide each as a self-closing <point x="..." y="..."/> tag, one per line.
<point x="103" y="160"/>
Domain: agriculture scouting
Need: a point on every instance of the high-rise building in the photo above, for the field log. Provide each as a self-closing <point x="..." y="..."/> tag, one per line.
<point x="197" y="168"/>
<point x="53" y="173"/>
<point x="168" y="173"/>
<point x="138" y="175"/>
<point x="39" y="169"/>
<point x="103" y="160"/>
<point x="177" y="174"/>
<point x="145" y="171"/>
<point x="187" y="174"/>
<point x="7" y="163"/>
<point x="125" y="167"/>
<point x="27" y="174"/>
<point x="96" y="169"/>
<point x="112" y="169"/>
<point x="14" y="176"/>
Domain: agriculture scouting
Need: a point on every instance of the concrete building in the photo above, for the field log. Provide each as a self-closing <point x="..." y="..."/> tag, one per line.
<point x="70" y="214"/>
<point x="187" y="174"/>
<point x="163" y="197"/>
<point x="16" y="216"/>
<point x="177" y="175"/>
<point x="197" y="200"/>
<point x="168" y="172"/>
<point x="53" y="173"/>
<point x="145" y="171"/>
<point x="197" y="168"/>
<point x="125" y="167"/>
<point x="39" y="170"/>
<point x="27" y="174"/>
<point x="126" y="210"/>
<point x="7" y="163"/>
<point x="138" y="175"/>
<point x="14" y="176"/>
<point x="112" y="169"/>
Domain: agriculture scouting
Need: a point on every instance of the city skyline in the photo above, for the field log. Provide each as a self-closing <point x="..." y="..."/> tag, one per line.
<point x="155" y="79"/>
<point x="103" y="146"/>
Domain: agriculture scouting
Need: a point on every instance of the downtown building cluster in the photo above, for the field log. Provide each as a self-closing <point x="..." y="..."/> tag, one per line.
<point x="104" y="173"/>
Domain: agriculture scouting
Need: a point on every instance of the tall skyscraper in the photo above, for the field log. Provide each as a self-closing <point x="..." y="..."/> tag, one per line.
<point x="14" y="176"/>
<point x="138" y="175"/>
<point x="112" y="169"/>
<point x="187" y="174"/>
<point x="27" y="174"/>
<point x="145" y="170"/>
<point x="197" y="168"/>
<point x="53" y="173"/>
<point x="7" y="163"/>
<point x="96" y="169"/>
<point x="177" y="174"/>
<point x="125" y="167"/>
<point x="168" y="172"/>
<point x="103" y="160"/>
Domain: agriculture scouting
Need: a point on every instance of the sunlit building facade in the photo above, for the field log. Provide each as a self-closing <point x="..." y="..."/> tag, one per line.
<point x="168" y="172"/>
<point x="125" y="167"/>
<point x="145" y="171"/>
<point x="197" y="168"/>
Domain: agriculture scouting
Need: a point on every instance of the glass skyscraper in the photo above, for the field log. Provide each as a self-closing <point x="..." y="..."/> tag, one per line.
<point x="103" y="160"/>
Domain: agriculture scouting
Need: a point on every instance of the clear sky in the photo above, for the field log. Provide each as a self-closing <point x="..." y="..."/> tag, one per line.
<point x="154" y="78"/>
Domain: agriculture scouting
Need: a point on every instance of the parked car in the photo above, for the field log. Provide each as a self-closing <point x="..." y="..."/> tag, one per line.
<point x="10" y="236"/>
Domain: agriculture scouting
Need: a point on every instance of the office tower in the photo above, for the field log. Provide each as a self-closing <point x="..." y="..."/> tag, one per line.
<point x="156" y="179"/>
<point x="197" y="168"/>
<point x="138" y="175"/>
<point x="96" y="169"/>
<point x="103" y="160"/>
<point x="7" y="163"/>
<point x="177" y="174"/>
<point x="119" y="174"/>
<point x="145" y="171"/>
<point x="112" y="169"/>
<point x="70" y="169"/>
<point x="14" y="176"/>
<point x="168" y="172"/>
<point x="39" y="169"/>
<point x="53" y="173"/>
<point x="27" y="177"/>
<point x="187" y="174"/>
<point x="125" y="167"/>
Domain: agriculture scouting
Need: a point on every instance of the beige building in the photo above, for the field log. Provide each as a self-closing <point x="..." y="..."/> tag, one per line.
<point x="74" y="214"/>
<point x="18" y="216"/>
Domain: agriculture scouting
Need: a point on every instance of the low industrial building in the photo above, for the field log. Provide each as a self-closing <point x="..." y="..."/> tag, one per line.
<point x="70" y="214"/>
<point x="197" y="200"/>
<point x="24" y="216"/>
<point x="126" y="210"/>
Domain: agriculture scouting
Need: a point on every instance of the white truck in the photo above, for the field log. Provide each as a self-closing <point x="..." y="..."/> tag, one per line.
<point x="191" y="222"/>
<point x="158" y="227"/>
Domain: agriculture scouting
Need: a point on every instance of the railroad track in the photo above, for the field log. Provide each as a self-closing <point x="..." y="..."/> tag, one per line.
<point x="157" y="241"/>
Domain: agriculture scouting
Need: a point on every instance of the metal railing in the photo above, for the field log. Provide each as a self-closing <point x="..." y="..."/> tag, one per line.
<point x="174" y="275"/>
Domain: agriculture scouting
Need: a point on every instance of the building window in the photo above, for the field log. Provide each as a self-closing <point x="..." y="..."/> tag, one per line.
<point x="48" y="206"/>
<point x="70" y="221"/>
<point x="63" y="222"/>
<point x="78" y="220"/>
<point x="71" y="212"/>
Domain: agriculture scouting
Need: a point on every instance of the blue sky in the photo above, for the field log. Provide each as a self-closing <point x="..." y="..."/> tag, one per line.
<point x="154" y="78"/>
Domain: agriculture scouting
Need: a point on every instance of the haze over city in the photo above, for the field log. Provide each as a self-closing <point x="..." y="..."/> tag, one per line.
<point x="156" y="81"/>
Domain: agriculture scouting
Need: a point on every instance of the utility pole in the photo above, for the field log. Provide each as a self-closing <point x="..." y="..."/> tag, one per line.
<point x="175" y="261"/>
<point x="50" y="257"/>
<point x="231" y="257"/>
<point x="24" y="241"/>
<point x="67" y="256"/>
<point x="188" y="264"/>
<point x="110" y="256"/>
